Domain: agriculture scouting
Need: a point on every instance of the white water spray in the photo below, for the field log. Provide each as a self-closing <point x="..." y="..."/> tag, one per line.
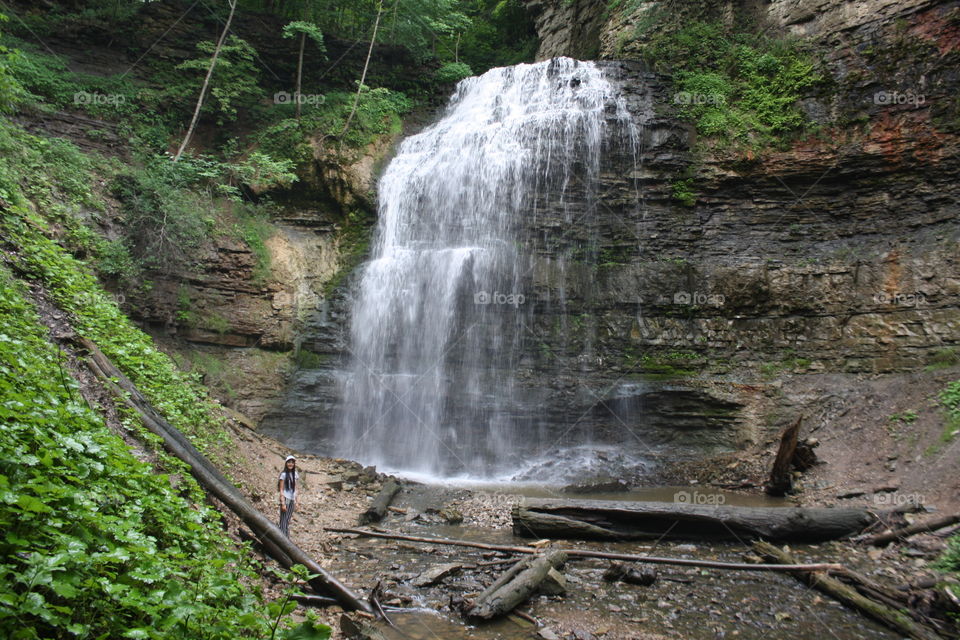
<point x="441" y="316"/>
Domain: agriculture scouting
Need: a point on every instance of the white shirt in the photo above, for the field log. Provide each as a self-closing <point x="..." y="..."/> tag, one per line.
<point x="290" y="495"/>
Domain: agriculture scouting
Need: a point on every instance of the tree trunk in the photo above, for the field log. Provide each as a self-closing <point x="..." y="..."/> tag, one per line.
<point x="206" y="82"/>
<point x="609" y="520"/>
<point x="378" y="508"/>
<point x="781" y="476"/>
<point x="296" y="93"/>
<point x="515" y="586"/>
<point x="849" y="596"/>
<point x="212" y="480"/>
<point x="363" y="76"/>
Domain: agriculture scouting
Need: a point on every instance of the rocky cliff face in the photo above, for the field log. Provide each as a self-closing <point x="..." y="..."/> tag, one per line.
<point x="248" y="328"/>
<point x="838" y="254"/>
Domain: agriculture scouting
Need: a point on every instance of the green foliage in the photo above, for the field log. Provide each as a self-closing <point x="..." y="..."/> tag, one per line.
<point x="306" y="359"/>
<point x="950" y="560"/>
<point x="354" y="246"/>
<point x="943" y="359"/>
<point x="308" y="29"/>
<point x="45" y="82"/>
<point x="233" y="84"/>
<point x="907" y="417"/>
<point x="734" y="85"/>
<point x="254" y="228"/>
<point x="452" y="72"/>
<point x="501" y="33"/>
<point x="11" y="92"/>
<point x="165" y="219"/>
<point x="260" y="172"/>
<point x="95" y="544"/>
<point x="378" y="113"/>
<point x="682" y="191"/>
<point x="950" y="400"/>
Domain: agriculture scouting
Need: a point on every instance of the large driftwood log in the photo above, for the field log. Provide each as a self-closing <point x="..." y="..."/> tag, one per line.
<point x="378" y="508"/>
<point x="848" y="595"/>
<point x="212" y="480"/>
<point x="515" y="585"/>
<point x="608" y="520"/>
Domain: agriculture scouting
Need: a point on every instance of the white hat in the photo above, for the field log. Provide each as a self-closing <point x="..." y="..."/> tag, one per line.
<point x="288" y="459"/>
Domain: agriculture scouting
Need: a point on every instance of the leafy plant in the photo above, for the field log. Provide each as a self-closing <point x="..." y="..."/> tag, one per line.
<point x="233" y="84"/>
<point x="11" y="92"/>
<point x="96" y="544"/>
<point x="682" y="191"/>
<point x="254" y="228"/>
<point x="734" y="85"/>
<point x="452" y="72"/>
<point x="378" y="113"/>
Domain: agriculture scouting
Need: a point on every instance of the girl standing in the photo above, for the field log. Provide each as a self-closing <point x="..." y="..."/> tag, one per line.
<point x="287" y="487"/>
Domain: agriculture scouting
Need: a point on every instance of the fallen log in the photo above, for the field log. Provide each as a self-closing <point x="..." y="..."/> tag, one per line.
<point x="609" y="520"/>
<point x="378" y="508"/>
<point x="515" y="586"/>
<point x="887" y="615"/>
<point x="212" y="480"/>
<point x="781" y="476"/>
<point x="915" y="528"/>
<point x="583" y="553"/>
<point x="619" y="572"/>
<point x="314" y="601"/>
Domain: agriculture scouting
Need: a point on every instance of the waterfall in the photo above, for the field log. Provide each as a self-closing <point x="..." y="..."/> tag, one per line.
<point x="441" y="314"/>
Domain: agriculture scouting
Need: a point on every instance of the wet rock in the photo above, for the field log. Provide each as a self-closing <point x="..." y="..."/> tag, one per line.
<point x="548" y="634"/>
<point x="554" y="584"/>
<point x="447" y="514"/>
<point x="436" y="574"/>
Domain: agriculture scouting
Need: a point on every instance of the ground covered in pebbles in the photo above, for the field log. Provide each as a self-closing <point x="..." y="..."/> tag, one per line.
<point x="433" y="581"/>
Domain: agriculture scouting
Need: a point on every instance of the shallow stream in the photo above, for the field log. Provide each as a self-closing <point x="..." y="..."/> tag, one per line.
<point x="685" y="602"/>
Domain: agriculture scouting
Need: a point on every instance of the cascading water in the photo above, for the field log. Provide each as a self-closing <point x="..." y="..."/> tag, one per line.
<point x="441" y="314"/>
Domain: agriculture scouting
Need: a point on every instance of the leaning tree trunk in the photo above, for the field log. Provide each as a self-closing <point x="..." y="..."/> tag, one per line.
<point x="890" y="616"/>
<point x="214" y="481"/>
<point x="363" y="75"/>
<point x="609" y="520"/>
<point x="296" y="93"/>
<point x="206" y="82"/>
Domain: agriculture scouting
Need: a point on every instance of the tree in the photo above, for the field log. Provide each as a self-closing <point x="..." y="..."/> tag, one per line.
<point x="304" y="29"/>
<point x="10" y="90"/>
<point x="206" y="81"/>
